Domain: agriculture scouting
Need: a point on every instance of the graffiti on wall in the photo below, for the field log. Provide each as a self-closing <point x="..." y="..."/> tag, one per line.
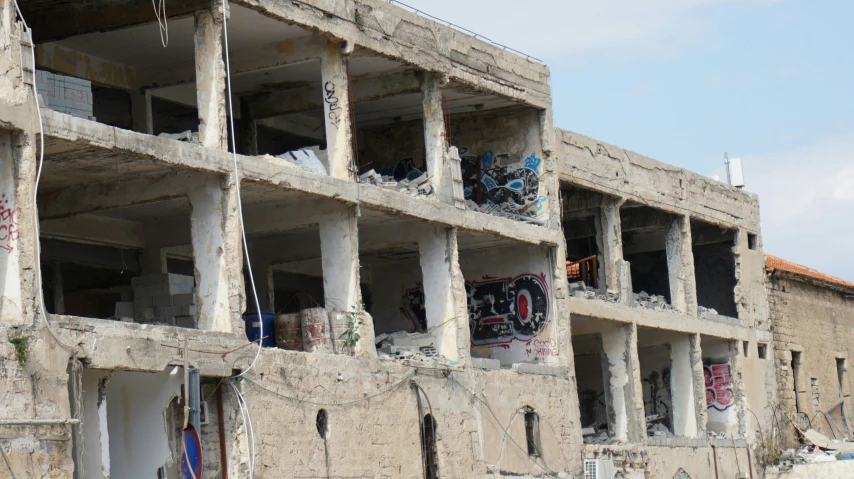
<point x="8" y="223"/>
<point x="514" y="189"/>
<point x="719" y="393"/>
<point x="501" y="310"/>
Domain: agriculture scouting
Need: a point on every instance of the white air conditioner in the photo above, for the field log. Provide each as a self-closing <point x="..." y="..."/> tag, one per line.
<point x="598" y="469"/>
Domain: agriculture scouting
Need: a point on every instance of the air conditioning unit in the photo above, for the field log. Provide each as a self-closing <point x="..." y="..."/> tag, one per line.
<point x="598" y="469"/>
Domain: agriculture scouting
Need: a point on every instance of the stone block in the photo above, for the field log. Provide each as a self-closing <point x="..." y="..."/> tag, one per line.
<point x="184" y="299"/>
<point x="144" y="302"/>
<point x="124" y="309"/>
<point x="162" y="300"/>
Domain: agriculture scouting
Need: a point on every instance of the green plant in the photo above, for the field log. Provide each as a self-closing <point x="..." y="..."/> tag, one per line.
<point x="355" y="319"/>
<point x="22" y="345"/>
<point x="359" y="20"/>
<point x="768" y="450"/>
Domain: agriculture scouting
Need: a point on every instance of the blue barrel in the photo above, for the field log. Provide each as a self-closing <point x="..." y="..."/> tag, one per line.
<point x="253" y="328"/>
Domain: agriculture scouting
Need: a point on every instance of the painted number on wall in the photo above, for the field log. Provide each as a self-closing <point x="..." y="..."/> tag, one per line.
<point x="8" y="223"/>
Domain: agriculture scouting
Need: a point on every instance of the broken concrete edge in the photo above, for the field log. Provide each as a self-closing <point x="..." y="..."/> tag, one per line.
<point x="374" y="24"/>
<point x="540" y="369"/>
<point x="605" y="168"/>
<point x="282" y="174"/>
<point x="666" y="320"/>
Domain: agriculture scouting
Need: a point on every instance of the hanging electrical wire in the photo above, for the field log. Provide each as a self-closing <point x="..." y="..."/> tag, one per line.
<point x="236" y="174"/>
<point x="36" y="229"/>
<point x="160" y="13"/>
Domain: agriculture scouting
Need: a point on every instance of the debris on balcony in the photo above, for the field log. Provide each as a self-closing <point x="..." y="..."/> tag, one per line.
<point x="652" y="301"/>
<point x="401" y="345"/>
<point x="417" y="186"/>
<point x="580" y="289"/>
<point x="308" y="159"/>
<point x="187" y="136"/>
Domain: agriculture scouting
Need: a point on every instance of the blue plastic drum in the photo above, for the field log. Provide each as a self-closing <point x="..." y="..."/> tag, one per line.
<point x="253" y="328"/>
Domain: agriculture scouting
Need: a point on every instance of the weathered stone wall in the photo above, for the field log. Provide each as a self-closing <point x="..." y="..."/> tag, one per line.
<point x="815" y="321"/>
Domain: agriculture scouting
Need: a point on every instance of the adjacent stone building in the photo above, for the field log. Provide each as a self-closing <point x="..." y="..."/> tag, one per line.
<point x="455" y="287"/>
<point x="812" y="313"/>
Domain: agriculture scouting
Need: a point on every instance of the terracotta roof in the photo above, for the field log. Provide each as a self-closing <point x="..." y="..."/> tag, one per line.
<point x="774" y="263"/>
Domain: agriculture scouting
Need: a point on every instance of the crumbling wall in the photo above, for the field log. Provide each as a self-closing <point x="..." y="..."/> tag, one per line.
<point x="815" y="321"/>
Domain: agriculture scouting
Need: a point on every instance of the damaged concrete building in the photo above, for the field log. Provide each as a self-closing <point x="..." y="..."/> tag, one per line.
<point x="382" y="202"/>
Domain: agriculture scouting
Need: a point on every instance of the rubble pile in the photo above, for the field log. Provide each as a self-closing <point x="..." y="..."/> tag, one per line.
<point x="418" y="186"/>
<point x="704" y="311"/>
<point x="419" y="347"/>
<point x="506" y="210"/>
<point x="652" y="301"/>
<point x="579" y="289"/>
<point x="187" y="136"/>
<point x="308" y="159"/>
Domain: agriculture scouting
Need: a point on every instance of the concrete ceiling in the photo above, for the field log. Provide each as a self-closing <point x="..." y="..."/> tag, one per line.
<point x="141" y="46"/>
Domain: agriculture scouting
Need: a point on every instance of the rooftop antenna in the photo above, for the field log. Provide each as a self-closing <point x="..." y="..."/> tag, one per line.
<point x="734" y="171"/>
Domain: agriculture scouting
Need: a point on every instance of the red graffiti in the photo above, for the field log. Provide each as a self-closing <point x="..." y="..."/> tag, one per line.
<point x="9" y="233"/>
<point x="719" y="393"/>
<point x="541" y="348"/>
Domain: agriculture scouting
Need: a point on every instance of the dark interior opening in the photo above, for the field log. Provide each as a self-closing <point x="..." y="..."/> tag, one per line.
<point x="532" y="433"/>
<point x="112" y="106"/>
<point x="644" y="247"/>
<point x="714" y="267"/>
<point x="428" y="447"/>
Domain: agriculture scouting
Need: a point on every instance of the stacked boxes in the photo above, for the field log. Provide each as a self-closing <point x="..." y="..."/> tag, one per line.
<point x="65" y="94"/>
<point x="164" y="298"/>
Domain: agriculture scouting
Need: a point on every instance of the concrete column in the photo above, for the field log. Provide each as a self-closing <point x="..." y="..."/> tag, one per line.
<point x="17" y="230"/>
<point x="210" y="79"/>
<point x="336" y="112"/>
<point x="700" y="408"/>
<point x="736" y="361"/>
<point x="625" y="406"/>
<point x="682" y="383"/>
<point x="339" y="249"/>
<point x="141" y="111"/>
<point x="435" y="136"/>
<point x="217" y="255"/>
<point x="445" y="293"/>
<point x="680" y="266"/>
<point x="613" y="266"/>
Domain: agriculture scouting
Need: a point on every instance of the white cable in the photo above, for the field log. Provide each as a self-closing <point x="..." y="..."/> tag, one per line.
<point x="160" y="9"/>
<point x="36" y="229"/>
<point x="237" y="188"/>
<point x="247" y="421"/>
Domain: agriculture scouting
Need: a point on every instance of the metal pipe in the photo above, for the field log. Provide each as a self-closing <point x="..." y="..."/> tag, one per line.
<point x="194" y="401"/>
<point x="37" y="422"/>
<point x="715" y="455"/>
<point x="221" y="419"/>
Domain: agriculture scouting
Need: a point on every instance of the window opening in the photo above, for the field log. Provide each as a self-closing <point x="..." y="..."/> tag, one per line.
<point x="751" y="241"/>
<point x="746" y="345"/>
<point x="532" y="432"/>
<point x="763" y="350"/>
<point x="428" y="447"/>
<point x="796" y="368"/>
<point x="322" y="423"/>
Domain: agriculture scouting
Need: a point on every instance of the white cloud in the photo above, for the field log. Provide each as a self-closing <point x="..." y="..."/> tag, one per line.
<point x="552" y="28"/>
<point x="807" y="204"/>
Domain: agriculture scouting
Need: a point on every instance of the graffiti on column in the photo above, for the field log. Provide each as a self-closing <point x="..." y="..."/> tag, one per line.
<point x="502" y="310"/>
<point x="490" y="179"/>
<point x="9" y="216"/>
<point x="332" y="102"/>
<point x="719" y="393"/>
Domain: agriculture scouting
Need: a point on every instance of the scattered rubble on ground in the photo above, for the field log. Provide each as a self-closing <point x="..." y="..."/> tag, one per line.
<point x="579" y="289"/>
<point x="652" y="301"/>
<point x="418" y="186"/>
<point x="418" y="347"/>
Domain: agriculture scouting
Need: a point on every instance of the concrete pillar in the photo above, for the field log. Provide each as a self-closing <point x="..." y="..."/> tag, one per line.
<point x="700" y="407"/>
<point x="682" y="383"/>
<point x="736" y="361"/>
<point x="336" y="111"/>
<point x="141" y="110"/>
<point x="680" y="266"/>
<point x="210" y="79"/>
<point x="613" y="267"/>
<point x="625" y="397"/>
<point x="445" y="293"/>
<point x="435" y="136"/>
<point x="17" y="230"/>
<point x="217" y="255"/>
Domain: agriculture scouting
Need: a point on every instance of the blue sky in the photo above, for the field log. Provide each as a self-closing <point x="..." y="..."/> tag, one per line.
<point x="682" y="81"/>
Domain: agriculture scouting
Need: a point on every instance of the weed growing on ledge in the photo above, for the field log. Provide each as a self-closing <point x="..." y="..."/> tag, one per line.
<point x="355" y="319"/>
